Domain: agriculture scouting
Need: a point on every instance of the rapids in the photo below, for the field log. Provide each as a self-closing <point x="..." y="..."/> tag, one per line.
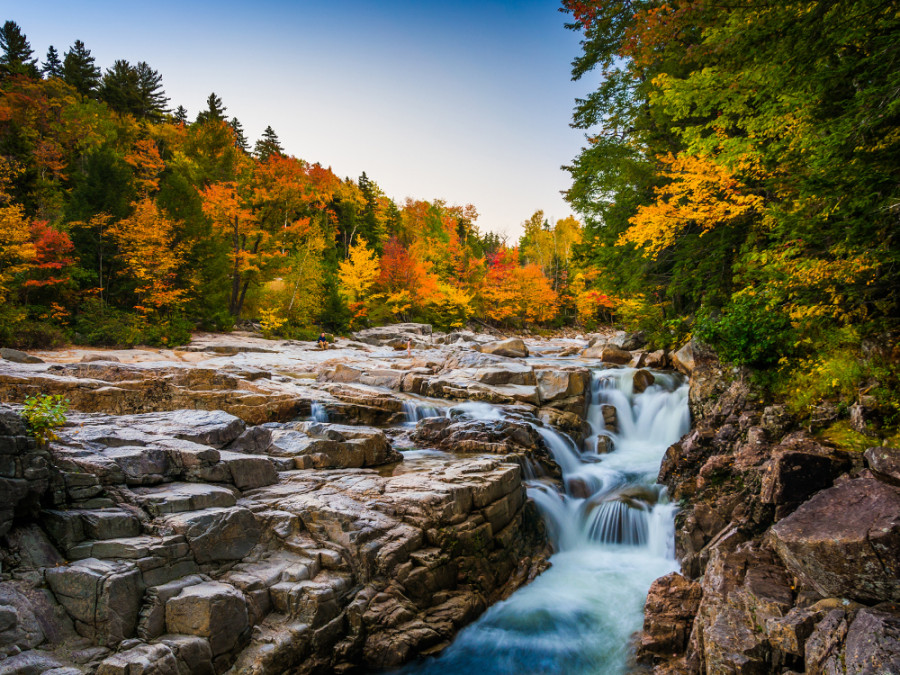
<point x="612" y="530"/>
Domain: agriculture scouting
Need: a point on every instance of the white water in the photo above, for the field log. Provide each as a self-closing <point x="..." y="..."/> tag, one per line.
<point x="613" y="532"/>
<point x="318" y="413"/>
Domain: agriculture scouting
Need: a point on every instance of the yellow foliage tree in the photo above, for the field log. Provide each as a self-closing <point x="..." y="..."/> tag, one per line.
<point x="700" y="192"/>
<point x="146" y="245"/>
<point x="358" y="272"/>
<point x="16" y="249"/>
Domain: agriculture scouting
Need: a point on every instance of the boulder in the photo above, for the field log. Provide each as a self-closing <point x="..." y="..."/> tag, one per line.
<point x="672" y="602"/>
<point x="845" y="541"/>
<point x="657" y="359"/>
<point x="684" y="359"/>
<point x="885" y="464"/>
<point x="555" y="384"/>
<point x="612" y="354"/>
<point x="628" y="341"/>
<point x="873" y="642"/>
<point x="102" y="597"/>
<point x="642" y="380"/>
<point x="213" y="610"/>
<point x="155" y="659"/>
<point x="512" y="347"/>
<point x="16" y="356"/>
<point x="92" y="358"/>
<point x="32" y="662"/>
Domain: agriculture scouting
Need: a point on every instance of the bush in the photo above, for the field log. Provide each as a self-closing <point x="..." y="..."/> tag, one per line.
<point x="748" y="332"/>
<point x="44" y="414"/>
<point x="99" y="324"/>
<point x="19" y="331"/>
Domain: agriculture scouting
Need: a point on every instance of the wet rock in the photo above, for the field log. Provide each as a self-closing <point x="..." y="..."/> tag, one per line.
<point x="513" y="348"/>
<point x="610" y="418"/>
<point x="672" y="602"/>
<point x="555" y="384"/>
<point x="845" y="541"/>
<point x="642" y="380"/>
<point x="611" y="354"/>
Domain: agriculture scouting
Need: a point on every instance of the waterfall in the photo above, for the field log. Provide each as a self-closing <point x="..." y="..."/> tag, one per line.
<point x="415" y="412"/>
<point x="318" y="413"/>
<point x="612" y="528"/>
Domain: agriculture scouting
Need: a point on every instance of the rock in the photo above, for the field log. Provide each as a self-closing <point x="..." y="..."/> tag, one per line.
<point x="16" y="356"/>
<point x="212" y="610"/>
<point x="192" y="653"/>
<point x="513" y="347"/>
<point x="873" y="643"/>
<point x="823" y="647"/>
<point x="612" y="354"/>
<point x="642" y="380"/>
<point x="885" y="464"/>
<point x="555" y="384"/>
<point x="658" y="359"/>
<point x="799" y="468"/>
<point x="216" y="534"/>
<point x="102" y="597"/>
<point x="628" y="341"/>
<point x="155" y="659"/>
<point x="684" y="359"/>
<point x="181" y="497"/>
<point x="32" y="662"/>
<point x="845" y="541"/>
<point x="91" y="358"/>
<point x="610" y="418"/>
<point x="672" y="602"/>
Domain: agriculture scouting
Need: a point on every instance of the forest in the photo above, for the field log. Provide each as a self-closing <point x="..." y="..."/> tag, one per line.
<point x="738" y="183"/>
<point x="123" y="221"/>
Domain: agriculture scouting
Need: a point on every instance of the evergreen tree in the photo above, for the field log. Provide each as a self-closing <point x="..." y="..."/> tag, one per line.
<point x="80" y="71"/>
<point x="240" y="139"/>
<point x="180" y="115"/>
<point x="52" y="66"/>
<point x="268" y="145"/>
<point x="215" y="110"/>
<point x="17" y="54"/>
<point x="119" y="88"/>
<point x="152" y="98"/>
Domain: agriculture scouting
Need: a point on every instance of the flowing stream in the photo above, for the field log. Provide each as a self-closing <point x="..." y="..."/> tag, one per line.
<point x="612" y="530"/>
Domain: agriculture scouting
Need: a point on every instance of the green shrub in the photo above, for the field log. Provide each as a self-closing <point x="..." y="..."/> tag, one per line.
<point x="100" y="324"/>
<point x="748" y="332"/>
<point x="44" y="414"/>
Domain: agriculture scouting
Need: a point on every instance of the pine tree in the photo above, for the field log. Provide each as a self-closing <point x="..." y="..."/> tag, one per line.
<point x="80" y="71"/>
<point x="17" y="54"/>
<point x="268" y="145"/>
<point x="240" y="139"/>
<point x="152" y="98"/>
<point x="180" y="115"/>
<point x="119" y="88"/>
<point x="215" y="110"/>
<point x="52" y="66"/>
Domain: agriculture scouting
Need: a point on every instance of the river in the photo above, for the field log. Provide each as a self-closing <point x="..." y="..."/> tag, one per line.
<point x="612" y="530"/>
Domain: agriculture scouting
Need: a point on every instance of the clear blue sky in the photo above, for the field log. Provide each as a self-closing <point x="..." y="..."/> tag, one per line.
<point x="465" y="101"/>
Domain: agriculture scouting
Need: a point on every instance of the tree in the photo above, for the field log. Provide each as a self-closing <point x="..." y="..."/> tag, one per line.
<point x="240" y="140"/>
<point x="80" y="71"/>
<point x="357" y="275"/>
<point x="50" y="267"/>
<point x="119" y="88"/>
<point x="16" y="247"/>
<point x="146" y="244"/>
<point x="215" y="110"/>
<point x="152" y="99"/>
<point x="180" y="116"/>
<point x="268" y="145"/>
<point x="17" y="53"/>
<point x="52" y="66"/>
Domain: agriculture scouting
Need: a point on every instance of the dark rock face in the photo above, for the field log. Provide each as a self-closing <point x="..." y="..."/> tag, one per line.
<point x="845" y="541"/>
<point x="672" y="602"/>
<point x="787" y="540"/>
<point x="24" y="470"/>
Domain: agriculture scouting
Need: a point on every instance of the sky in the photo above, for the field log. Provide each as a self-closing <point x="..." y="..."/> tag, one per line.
<point x="465" y="101"/>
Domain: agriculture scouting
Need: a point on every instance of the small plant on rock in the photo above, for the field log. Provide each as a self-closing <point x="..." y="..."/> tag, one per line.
<point x="44" y="414"/>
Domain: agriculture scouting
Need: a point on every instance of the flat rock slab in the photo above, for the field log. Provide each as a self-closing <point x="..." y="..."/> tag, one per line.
<point x="217" y="534"/>
<point x="181" y="497"/>
<point x="845" y="541"/>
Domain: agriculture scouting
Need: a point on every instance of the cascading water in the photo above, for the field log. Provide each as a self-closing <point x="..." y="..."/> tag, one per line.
<point x="415" y="411"/>
<point x="612" y="529"/>
<point x="318" y="413"/>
